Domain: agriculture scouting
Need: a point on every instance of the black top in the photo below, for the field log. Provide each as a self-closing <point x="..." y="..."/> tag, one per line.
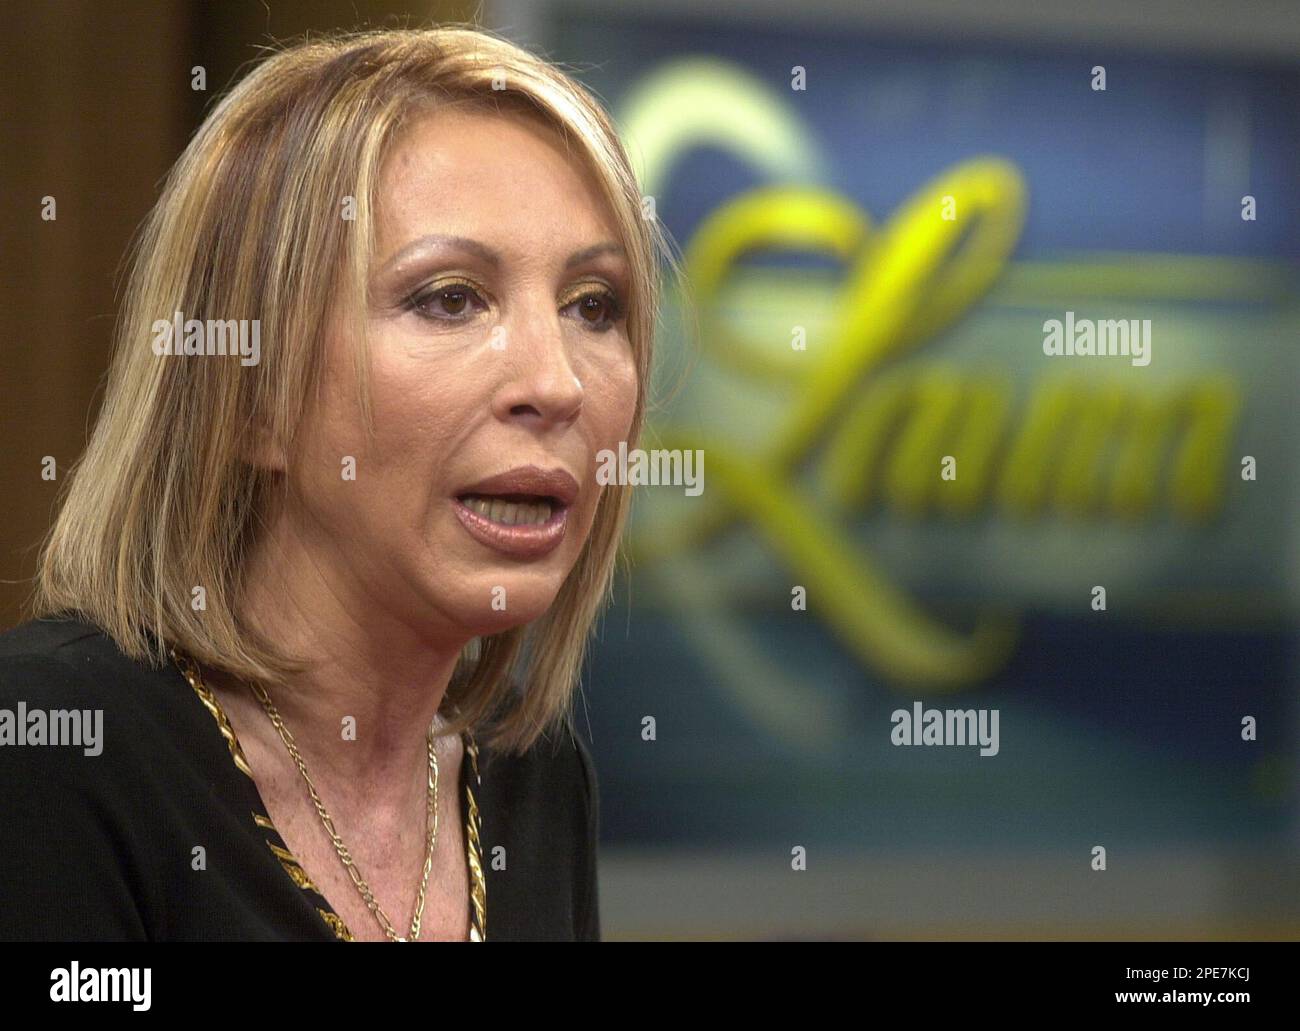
<point x="102" y="847"/>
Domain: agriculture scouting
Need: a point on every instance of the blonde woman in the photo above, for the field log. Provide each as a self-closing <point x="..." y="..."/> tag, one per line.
<point x="309" y="623"/>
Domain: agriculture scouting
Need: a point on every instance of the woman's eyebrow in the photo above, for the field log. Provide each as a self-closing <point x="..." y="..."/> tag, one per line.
<point x="464" y="243"/>
<point x="490" y="256"/>
<point x="608" y="247"/>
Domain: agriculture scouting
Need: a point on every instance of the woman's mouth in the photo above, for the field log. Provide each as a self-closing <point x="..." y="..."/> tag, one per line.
<point x="515" y="510"/>
<point x="520" y="525"/>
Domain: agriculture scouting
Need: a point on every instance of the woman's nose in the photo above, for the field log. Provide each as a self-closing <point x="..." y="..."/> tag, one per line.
<point x="540" y="383"/>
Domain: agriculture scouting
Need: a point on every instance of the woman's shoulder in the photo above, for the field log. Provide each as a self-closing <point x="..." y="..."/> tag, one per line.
<point x="86" y="784"/>
<point x="45" y="636"/>
<point x="58" y="673"/>
<point x="557" y="760"/>
<point x="540" y="816"/>
<point x="549" y="786"/>
<point x="49" y="659"/>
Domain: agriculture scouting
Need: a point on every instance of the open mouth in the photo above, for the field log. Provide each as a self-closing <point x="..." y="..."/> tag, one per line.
<point x="522" y="513"/>
<point x="513" y="509"/>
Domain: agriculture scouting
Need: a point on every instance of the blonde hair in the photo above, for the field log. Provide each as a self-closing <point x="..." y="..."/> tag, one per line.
<point x="163" y="498"/>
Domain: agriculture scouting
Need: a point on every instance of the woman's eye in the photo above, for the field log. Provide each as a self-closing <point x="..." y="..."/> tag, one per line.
<point x="600" y="310"/>
<point x="448" y="303"/>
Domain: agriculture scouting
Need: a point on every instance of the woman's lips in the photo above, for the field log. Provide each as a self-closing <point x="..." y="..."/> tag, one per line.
<point x="519" y="541"/>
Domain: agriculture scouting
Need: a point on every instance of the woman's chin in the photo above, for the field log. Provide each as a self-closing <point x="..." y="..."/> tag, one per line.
<point x="504" y="609"/>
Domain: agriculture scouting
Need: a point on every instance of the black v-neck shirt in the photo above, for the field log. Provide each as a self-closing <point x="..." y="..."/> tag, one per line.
<point x="162" y="837"/>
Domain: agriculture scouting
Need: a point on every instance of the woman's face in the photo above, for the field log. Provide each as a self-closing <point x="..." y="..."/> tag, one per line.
<point x="498" y="343"/>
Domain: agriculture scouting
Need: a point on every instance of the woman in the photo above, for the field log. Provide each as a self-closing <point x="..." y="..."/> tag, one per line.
<point x="312" y="613"/>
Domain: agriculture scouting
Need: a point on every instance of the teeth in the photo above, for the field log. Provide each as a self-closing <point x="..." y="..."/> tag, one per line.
<point x="509" y="513"/>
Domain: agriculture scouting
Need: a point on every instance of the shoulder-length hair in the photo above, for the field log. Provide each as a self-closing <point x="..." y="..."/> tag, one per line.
<point x="164" y="501"/>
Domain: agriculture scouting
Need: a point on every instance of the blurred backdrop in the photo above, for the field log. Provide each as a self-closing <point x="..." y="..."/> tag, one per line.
<point x="881" y="209"/>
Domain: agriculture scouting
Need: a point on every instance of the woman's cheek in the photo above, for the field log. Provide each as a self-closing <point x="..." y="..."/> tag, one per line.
<point x="617" y="391"/>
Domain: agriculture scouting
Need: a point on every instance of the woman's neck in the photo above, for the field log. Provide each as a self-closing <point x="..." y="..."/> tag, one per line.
<point x="361" y="711"/>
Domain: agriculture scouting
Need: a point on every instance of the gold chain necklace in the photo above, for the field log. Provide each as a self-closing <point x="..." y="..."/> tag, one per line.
<point x="431" y="821"/>
<point x="192" y="673"/>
